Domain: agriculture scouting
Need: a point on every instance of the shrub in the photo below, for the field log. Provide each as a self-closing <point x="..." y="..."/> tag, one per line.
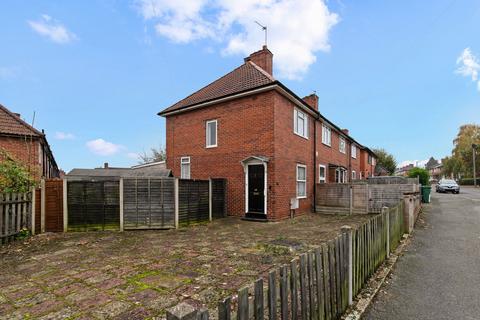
<point x="468" y="182"/>
<point x="14" y="177"/>
<point x="422" y="174"/>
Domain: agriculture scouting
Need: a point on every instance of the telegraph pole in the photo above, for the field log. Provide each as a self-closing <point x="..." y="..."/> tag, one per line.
<point x="474" y="147"/>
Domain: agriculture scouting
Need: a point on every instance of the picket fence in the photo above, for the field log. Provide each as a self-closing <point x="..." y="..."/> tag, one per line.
<point x="321" y="283"/>
<point x="15" y="214"/>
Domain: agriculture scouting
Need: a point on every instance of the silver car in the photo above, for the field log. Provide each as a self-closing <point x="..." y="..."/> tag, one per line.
<point x="446" y="185"/>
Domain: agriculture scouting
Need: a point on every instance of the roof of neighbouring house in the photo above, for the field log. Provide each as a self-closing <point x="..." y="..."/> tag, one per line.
<point x="12" y="124"/>
<point x="157" y="169"/>
<point x="246" y="77"/>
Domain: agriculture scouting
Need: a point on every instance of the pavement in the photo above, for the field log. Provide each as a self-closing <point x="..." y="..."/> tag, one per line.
<point x="438" y="277"/>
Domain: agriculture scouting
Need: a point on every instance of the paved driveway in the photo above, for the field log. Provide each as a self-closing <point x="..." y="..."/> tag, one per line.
<point x="138" y="274"/>
<point x="439" y="275"/>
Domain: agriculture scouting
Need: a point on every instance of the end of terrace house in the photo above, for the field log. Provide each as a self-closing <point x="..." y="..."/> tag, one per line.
<point x="272" y="146"/>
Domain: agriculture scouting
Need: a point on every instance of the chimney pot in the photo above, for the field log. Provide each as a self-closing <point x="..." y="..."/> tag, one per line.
<point x="262" y="58"/>
<point x="346" y="131"/>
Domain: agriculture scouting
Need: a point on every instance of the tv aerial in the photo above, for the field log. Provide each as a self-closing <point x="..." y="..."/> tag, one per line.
<point x="264" y="28"/>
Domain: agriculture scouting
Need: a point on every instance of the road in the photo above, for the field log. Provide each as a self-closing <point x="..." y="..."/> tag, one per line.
<point x="438" y="277"/>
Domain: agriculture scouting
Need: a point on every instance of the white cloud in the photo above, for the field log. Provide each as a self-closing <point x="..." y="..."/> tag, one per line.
<point x="64" y="136"/>
<point x="416" y="163"/>
<point x="468" y="66"/>
<point x="297" y="29"/>
<point x="103" y="148"/>
<point x="52" y="29"/>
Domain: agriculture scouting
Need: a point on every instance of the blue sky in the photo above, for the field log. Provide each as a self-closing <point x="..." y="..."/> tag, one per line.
<point x="402" y="75"/>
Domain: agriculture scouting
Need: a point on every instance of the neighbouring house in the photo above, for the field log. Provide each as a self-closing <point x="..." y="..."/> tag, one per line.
<point x="436" y="171"/>
<point x="381" y="171"/>
<point x="25" y="144"/>
<point x="151" y="170"/>
<point x="272" y="146"/>
<point x="403" y="171"/>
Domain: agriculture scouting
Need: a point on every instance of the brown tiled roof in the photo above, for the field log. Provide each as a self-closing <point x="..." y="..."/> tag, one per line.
<point x="246" y="77"/>
<point x="11" y="123"/>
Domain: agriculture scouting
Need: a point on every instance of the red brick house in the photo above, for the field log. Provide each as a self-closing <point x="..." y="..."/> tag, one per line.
<point x="272" y="146"/>
<point x="26" y="144"/>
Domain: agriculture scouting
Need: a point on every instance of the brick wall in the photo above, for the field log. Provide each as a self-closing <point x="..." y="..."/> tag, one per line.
<point x="25" y="151"/>
<point x="290" y="150"/>
<point x="245" y="128"/>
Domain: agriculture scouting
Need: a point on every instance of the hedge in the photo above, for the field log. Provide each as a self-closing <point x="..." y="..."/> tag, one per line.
<point x="469" y="181"/>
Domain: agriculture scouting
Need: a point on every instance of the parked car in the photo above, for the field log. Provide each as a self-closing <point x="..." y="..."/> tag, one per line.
<point x="446" y="185"/>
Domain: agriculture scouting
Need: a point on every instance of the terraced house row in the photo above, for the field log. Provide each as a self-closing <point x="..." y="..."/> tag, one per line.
<point x="272" y="146"/>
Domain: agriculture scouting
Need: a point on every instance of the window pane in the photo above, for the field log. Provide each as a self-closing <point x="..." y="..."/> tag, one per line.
<point x="300" y="126"/>
<point x="300" y="173"/>
<point x="301" y="192"/>
<point x="185" y="171"/>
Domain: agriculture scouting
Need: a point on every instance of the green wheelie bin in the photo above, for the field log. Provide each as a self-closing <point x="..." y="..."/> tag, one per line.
<point x="426" y="194"/>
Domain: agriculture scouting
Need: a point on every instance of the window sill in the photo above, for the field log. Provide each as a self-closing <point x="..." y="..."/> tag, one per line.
<point x="328" y="145"/>
<point x="306" y="138"/>
<point x="301" y="197"/>
<point x="210" y="147"/>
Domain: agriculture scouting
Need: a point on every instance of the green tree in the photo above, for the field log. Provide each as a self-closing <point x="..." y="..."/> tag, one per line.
<point x="386" y="160"/>
<point x="422" y="174"/>
<point x="462" y="152"/>
<point x="14" y="177"/>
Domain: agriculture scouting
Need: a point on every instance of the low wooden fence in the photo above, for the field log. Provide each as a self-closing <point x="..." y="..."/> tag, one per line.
<point x="360" y="198"/>
<point x="15" y="215"/>
<point x="321" y="283"/>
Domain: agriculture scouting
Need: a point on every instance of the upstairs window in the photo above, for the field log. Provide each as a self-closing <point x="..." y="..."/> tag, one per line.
<point x="300" y="123"/>
<point x="185" y="168"/>
<point x="370" y="159"/>
<point x="211" y="134"/>
<point x="322" y="173"/>
<point x="354" y="151"/>
<point x="326" y="135"/>
<point x="342" y="146"/>
<point x="301" y="181"/>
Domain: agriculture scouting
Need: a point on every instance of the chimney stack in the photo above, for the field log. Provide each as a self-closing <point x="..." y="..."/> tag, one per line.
<point x="262" y="58"/>
<point x="312" y="101"/>
<point x="345" y="131"/>
<point x="105" y="165"/>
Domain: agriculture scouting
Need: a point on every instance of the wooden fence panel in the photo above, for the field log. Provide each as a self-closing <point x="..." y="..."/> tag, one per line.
<point x="15" y="214"/>
<point x="53" y="205"/>
<point x="93" y="205"/>
<point x="148" y="203"/>
<point x="219" y="191"/>
<point x="193" y="201"/>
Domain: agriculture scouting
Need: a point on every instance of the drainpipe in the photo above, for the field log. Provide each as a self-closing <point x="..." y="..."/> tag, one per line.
<point x="314" y="164"/>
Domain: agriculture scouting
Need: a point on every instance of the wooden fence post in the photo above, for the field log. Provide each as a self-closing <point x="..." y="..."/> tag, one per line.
<point x="387" y="215"/>
<point x="32" y="214"/>
<point x="367" y="198"/>
<point x="65" y="205"/>
<point x="121" y="202"/>
<point x="348" y="231"/>
<point x="42" y="205"/>
<point x="351" y="199"/>
<point x="210" y="199"/>
<point x="176" y="202"/>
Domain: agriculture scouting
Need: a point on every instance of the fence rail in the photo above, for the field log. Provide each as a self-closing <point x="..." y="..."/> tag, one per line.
<point x="321" y="283"/>
<point x="15" y="214"/>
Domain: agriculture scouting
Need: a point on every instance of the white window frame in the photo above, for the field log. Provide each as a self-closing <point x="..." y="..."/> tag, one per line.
<point x="354" y="151"/>
<point x="354" y="175"/>
<point x="320" y="178"/>
<point x="326" y="135"/>
<point x="342" y="143"/>
<point x="301" y="181"/>
<point x="296" y="115"/>
<point x="207" y="134"/>
<point x="185" y="161"/>
<point x="342" y="175"/>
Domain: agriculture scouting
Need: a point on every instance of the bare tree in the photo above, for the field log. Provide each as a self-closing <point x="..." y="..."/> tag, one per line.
<point x="154" y="155"/>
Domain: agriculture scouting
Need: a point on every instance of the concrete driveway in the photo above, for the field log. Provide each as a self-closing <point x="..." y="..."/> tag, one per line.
<point x="439" y="275"/>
